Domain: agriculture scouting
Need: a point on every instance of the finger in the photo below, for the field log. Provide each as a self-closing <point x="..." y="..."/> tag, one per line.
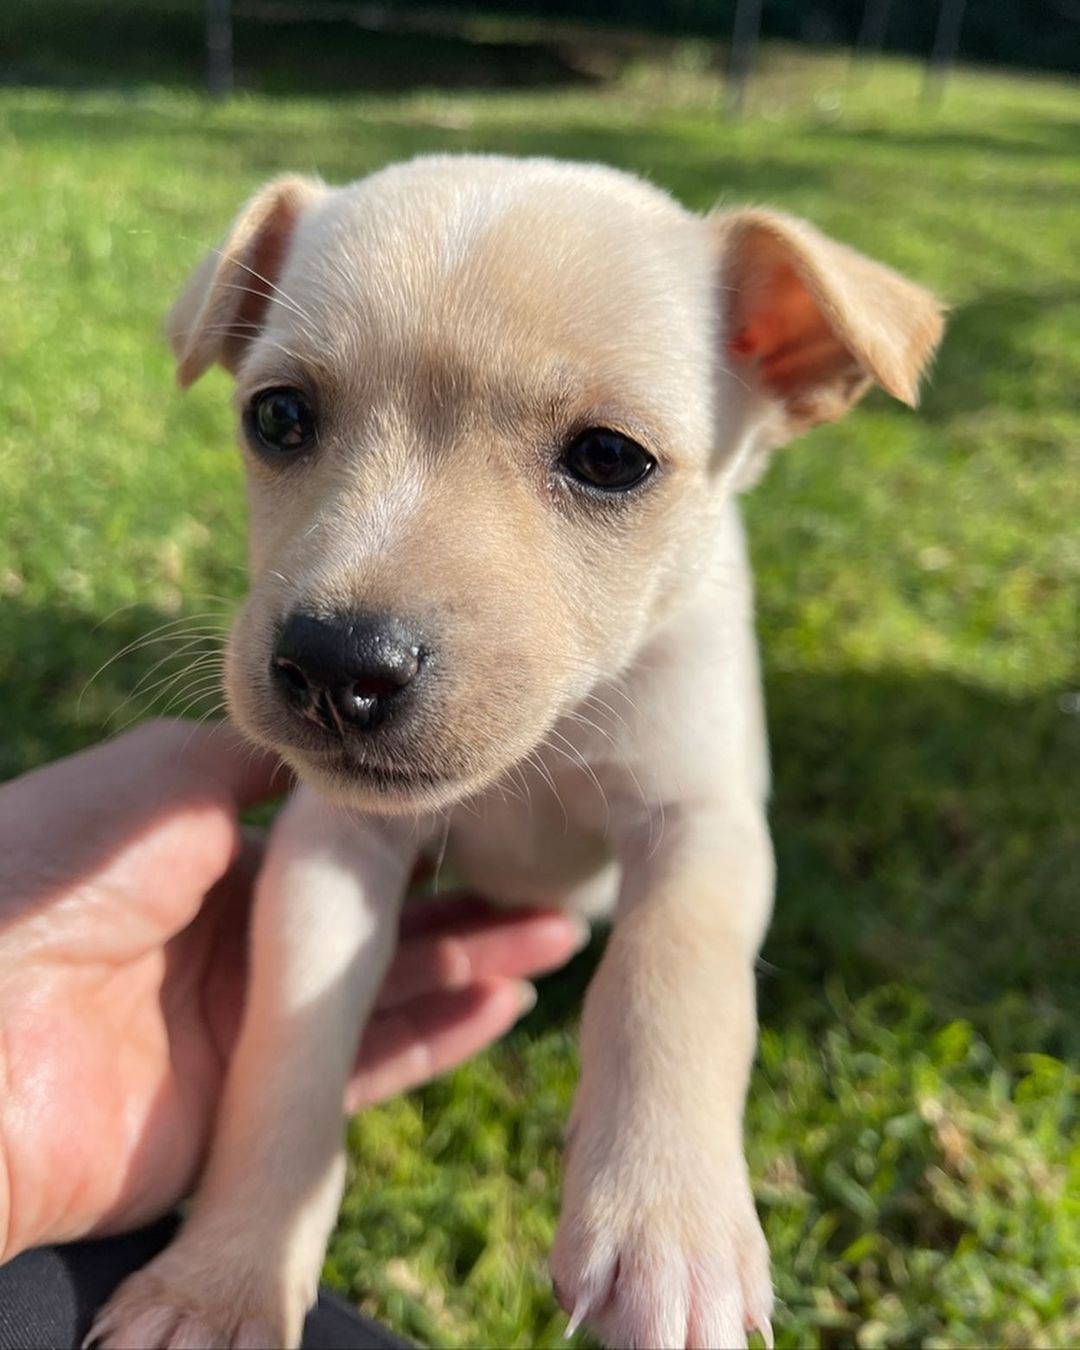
<point x="228" y="902"/>
<point x="246" y="773"/>
<point x="416" y="1042"/>
<point x="474" y="946"/>
<point x="423" y="914"/>
<point x="148" y="825"/>
<point x="203" y="775"/>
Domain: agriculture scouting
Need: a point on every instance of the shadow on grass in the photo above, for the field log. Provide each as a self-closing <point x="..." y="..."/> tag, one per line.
<point x="55" y="704"/>
<point x="698" y="173"/>
<point x="926" y="831"/>
<point x="1035" y="137"/>
<point x="926" y="835"/>
<point x="989" y="341"/>
<point x="117" y="43"/>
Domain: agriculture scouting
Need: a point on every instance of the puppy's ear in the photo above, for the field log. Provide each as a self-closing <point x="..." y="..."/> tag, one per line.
<point x="222" y="306"/>
<point x="810" y="323"/>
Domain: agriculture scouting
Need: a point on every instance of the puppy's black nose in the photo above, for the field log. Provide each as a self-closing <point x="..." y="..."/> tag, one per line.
<point x="349" y="672"/>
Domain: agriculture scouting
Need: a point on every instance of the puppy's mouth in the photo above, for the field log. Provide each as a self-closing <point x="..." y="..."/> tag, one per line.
<point x="369" y="780"/>
<point x="398" y="777"/>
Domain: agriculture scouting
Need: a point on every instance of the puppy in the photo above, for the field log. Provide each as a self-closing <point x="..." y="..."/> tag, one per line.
<point x="494" y="413"/>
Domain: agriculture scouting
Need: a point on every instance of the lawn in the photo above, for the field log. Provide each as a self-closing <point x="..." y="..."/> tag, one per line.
<point x="912" y="1121"/>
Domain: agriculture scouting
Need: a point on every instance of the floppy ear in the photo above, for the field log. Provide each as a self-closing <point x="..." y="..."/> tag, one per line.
<point x="223" y="304"/>
<point x="810" y="323"/>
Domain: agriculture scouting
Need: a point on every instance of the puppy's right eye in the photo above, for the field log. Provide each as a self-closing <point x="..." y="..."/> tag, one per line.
<point x="281" y="421"/>
<point x="606" y="461"/>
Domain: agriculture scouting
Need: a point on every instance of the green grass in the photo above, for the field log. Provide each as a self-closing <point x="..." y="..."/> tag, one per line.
<point x="912" y="1123"/>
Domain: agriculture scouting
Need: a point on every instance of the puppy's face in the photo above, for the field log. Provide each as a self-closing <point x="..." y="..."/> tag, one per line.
<point x="489" y="409"/>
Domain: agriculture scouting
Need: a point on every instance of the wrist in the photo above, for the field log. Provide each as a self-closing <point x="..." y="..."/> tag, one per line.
<point x="5" y="1174"/>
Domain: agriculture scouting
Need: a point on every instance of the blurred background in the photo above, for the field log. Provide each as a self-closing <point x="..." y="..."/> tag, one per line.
<point x="912" y="1125"/>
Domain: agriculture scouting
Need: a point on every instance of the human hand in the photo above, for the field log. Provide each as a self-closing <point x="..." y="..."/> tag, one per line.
<point x="125" y="887"/>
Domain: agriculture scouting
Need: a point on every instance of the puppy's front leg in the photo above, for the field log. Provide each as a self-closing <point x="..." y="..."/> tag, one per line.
<point x="244" y="1267"/>
<point x="659" y="1243"/>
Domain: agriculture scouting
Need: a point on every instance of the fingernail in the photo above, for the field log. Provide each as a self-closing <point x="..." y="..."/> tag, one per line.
<point x="526" y="997"/>
<point x="582" y="932"/>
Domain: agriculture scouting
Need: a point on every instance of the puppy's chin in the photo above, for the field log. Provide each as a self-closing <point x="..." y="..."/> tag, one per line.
<point x="374" y="789"/>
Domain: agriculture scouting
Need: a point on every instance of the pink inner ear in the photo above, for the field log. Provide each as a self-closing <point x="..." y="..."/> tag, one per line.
<point x="777" y="324"/>
<point x="258" y="270"/>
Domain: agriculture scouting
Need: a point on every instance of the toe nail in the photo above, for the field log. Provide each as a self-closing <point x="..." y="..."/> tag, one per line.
<point x="578" y="1316"/>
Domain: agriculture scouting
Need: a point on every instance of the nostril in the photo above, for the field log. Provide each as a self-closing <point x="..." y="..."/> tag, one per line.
<point x="375" y="687"/>
<point x="293" y="678"/>
<point x="396" y="669"/>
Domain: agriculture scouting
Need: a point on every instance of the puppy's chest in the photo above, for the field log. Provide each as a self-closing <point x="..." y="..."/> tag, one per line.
<point x="537" y="836"/>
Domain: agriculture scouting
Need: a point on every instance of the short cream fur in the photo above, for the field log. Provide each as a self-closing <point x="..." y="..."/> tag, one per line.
<point x="595" y="738"/>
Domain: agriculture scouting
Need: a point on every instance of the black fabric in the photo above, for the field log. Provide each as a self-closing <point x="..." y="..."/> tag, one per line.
<point x="48" y="1297"/>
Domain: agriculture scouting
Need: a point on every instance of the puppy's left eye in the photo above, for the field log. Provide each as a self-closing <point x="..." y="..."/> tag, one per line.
<point x="281" y="421"/>
<point x="606" y="460"/>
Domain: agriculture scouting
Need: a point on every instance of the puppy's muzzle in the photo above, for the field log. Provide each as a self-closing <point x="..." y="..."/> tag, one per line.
<point x="348" y="674"/>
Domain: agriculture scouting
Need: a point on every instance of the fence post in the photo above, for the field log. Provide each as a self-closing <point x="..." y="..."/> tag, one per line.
<point x="219" y="48"/>
<point x="872" y="30"/>
<point x="744" y="40"/>
<point x="943" y="53"/>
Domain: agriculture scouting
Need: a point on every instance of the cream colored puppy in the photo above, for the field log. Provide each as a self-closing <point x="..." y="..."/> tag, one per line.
<point x="494" y="413"/>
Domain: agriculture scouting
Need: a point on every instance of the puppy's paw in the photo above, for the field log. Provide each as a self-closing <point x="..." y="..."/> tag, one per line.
<point x="165" y="1307"/>
<point x="652" y="1260"/>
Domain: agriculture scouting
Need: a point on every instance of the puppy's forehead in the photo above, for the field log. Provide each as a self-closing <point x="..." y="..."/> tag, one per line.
<point x="494" y="263"/>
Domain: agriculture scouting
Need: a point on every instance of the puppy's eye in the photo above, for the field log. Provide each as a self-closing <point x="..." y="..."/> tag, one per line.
<point x="606" y="460"/>
<point x="281" y="421"/>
